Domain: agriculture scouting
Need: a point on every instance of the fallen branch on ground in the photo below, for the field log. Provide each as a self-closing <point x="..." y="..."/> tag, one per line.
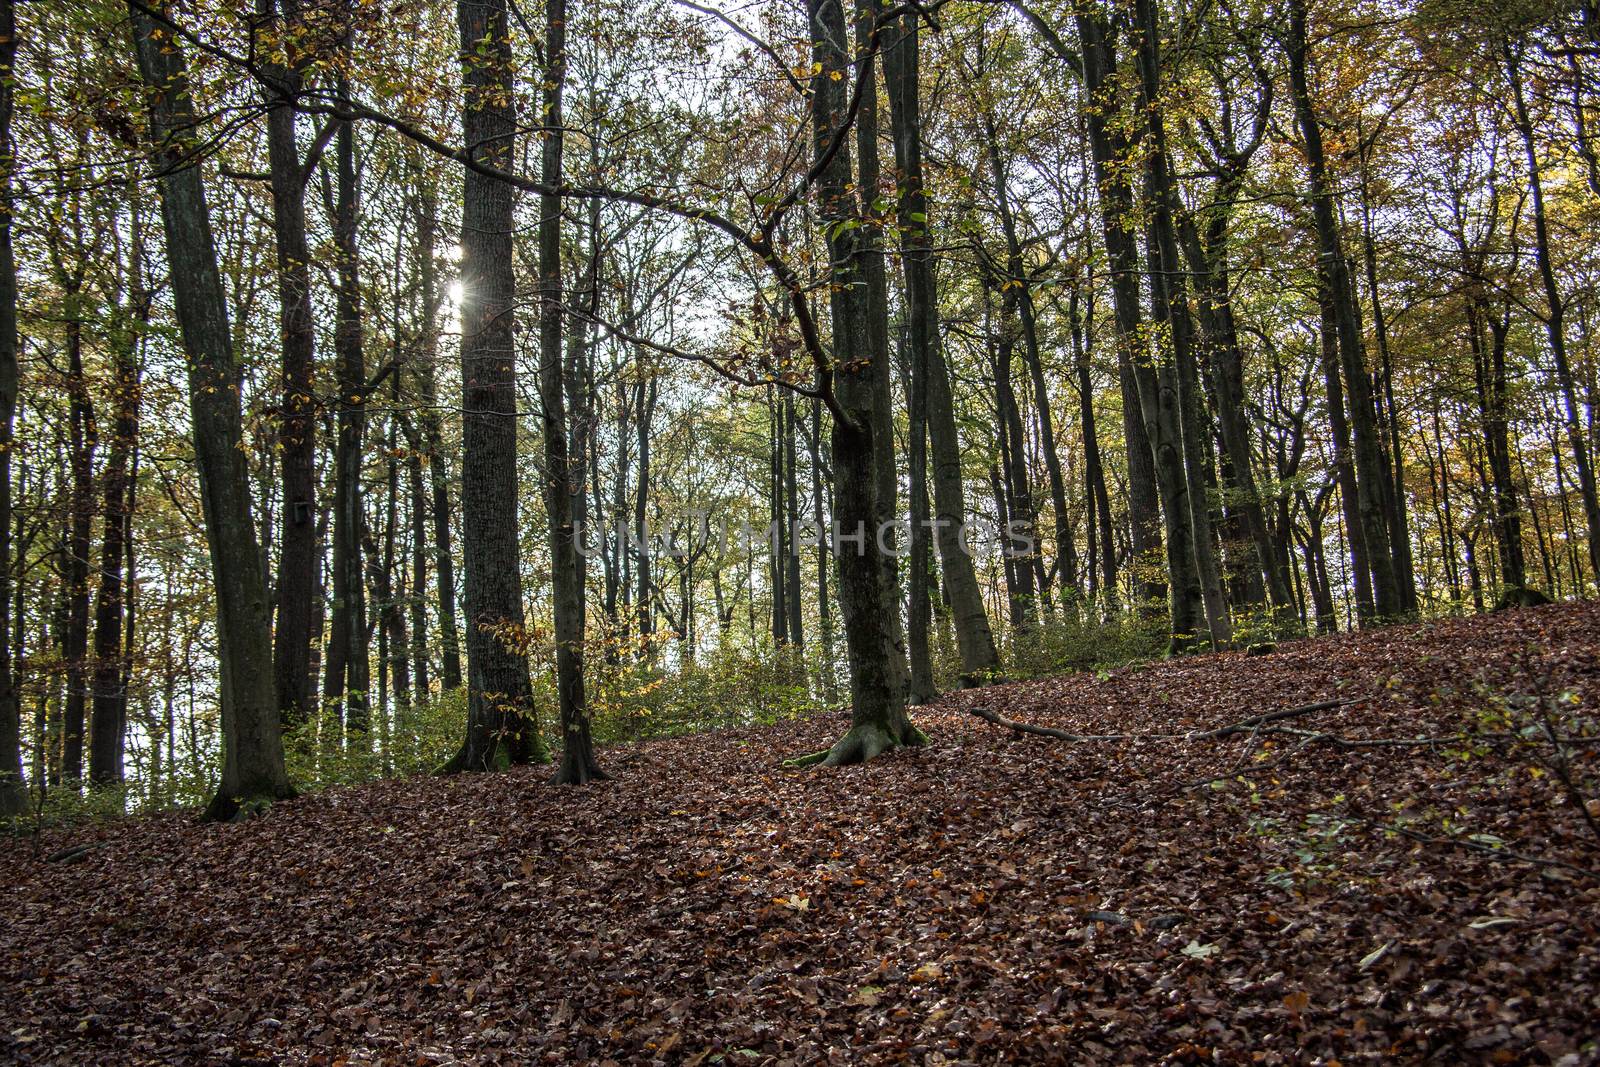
<point x="1255" y="722"/>
<point x="1001" y="721"/>
<point x="1252" y="724"/>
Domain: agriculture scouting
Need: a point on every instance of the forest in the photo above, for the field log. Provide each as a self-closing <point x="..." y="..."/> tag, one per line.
<point x="575" y="411"/>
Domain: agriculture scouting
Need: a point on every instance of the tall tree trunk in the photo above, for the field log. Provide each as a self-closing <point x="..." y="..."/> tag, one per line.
<point x="252" y="749"/>
<point x="1016" y="276"/>
<point x="433" y="442"/>
<point x="1094" y="471"/>
<point x="819" y="516"/>
<point x="645" y="407"/>
<point x="348" y="677"/>
<point x="1016" y="495"/>
<point x="974" y="636"/>
<point x="1494" y="405"/>
<point x="501" y="724"/>
<point x="13" y="790"/>
<point x="109" y="715"/>
<point x="1109" y="148"/>
<point x="1555" y="315"/>
<point x="1170" y="305"/>
<point x="1334" y="275"/>
<point x="297" y="423"/>
<point x="1344" y="468"/>
<point x="797" y="635"/>
<point x="1208" y="259"/>
<point x="566" y="562"/>
<point x="919" y="576"/>
<point x="878" y="719"/>
<point x="874" y="273"/>
<point x="777" y="571"/>
<point x="1398" y="517"/>
<point x="416" y="599"/>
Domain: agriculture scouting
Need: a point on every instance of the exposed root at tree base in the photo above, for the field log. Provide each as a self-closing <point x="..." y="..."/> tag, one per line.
<point x="241" y="809"/>
<point x="862" y="745"/>
<point x="578" y="772"/>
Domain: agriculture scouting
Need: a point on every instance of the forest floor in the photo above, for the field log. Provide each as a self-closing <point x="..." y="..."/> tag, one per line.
<point x="989" y="898"/>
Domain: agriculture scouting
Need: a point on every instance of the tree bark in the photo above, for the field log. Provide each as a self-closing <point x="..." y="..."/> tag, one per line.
<point x="297" y="423"/>
<point x="501" y="725"/>
<point x="253" y="771"/>
<point x="1109" y="148"/>
<point x="1555" y="316"/>
<point x="109" y="714"/>
<point x="432" y="439"/>
<point x="13" y="788"/>
<point x="348" y="674"/>
<point x="1333" y="272"/>
<point x="578" y="764"/>
<point x="974" y="636"/>
<point x="878" y="719"/>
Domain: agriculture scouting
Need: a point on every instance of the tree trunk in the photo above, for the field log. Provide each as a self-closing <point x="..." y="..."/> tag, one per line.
<point x="1333" y="273"/>
<point x="297" y="422"/>
<point x="501" y="725"/>
<point x="1109" y="148"/>
<point x="109" y="715"/>
<point x="873" y="272"/>
<point x="1170" y="305"/>
<point x="432" y="438"/>
<point x="1555" y="317"/>
<point x="82" y="436"/>
<point x="578" y="764"/>
<point x="878" y="719"/>
<point x="348" y="677"/>
<point x="252" y="750"/>
<point x="1016" y="277"/>
<point x="13" y="790"/>
<point x="1094" y="472"/>
<point x="974" y="636"/>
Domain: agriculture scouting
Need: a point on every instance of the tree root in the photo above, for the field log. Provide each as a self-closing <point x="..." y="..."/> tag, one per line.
<point x="578" y="772"/>
<point x="241" y="809"/>
<point x="862" y="744"/>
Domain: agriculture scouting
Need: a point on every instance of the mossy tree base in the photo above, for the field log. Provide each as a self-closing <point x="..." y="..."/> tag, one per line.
<point x="227" y="808"/>
<point x="863" y="744"/>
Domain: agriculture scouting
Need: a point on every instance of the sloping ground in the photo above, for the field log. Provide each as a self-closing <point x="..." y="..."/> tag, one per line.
<point x="987" y="899"/>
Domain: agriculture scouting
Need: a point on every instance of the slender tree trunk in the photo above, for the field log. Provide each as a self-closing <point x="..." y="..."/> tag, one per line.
<point x="432" y="438"/>
<point x="82" y="439"/>
<point x="252" y="750"/>
<point x="1399" y="519"/>
<point x="645" y="401"/>
<point x="416" y="599"/>
<point x="819" y="516"/>
<point x="1555" y="316"/>
<point x="13" y="790"/>
<point x="109" y="715"/>
<point x="1109" y="148"/>
<point x="1333" y="273"/>
<point x="974" y="636"/>
<point x="1015" y="497"/>
<point x="1344" y="469"/>
<point x="797" y="635"/>
<point x="1017" y="277"/>
<point x="501" y="724"/>
<point x="878" y="719"/>
<point x="348" y="678"/>
<point x="1094" y="471"/>
<point x="1170" y="305"/>
<point x="578" y="764"/>
<point x="297" y="423"/>
<point x="875" y="275"/>
<point x="777" y="572"/>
